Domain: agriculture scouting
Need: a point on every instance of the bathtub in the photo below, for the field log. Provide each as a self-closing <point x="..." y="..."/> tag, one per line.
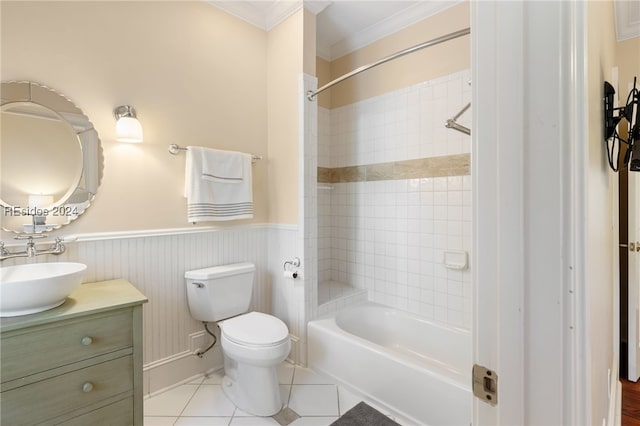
<point x="416" y="368"/>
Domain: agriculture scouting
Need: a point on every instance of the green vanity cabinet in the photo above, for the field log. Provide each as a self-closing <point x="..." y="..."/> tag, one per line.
<point x="77" y="364"/>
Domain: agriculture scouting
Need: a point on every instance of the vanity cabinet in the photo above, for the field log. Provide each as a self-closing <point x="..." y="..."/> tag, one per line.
<point x="77" y="364"/>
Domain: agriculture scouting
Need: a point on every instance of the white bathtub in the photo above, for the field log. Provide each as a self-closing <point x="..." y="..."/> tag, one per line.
<point x="417" y="368"/>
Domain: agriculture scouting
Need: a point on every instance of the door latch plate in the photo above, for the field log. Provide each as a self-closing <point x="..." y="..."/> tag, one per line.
<point x="485" y="384"/>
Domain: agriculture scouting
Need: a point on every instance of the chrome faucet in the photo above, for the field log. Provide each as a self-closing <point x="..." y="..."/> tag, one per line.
<point x="56" y="248"/>
<point x="3" y="251"/>
<point x="31" y="250"/>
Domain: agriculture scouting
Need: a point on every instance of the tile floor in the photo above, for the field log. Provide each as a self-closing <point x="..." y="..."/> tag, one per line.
<point x="316" y="399"/>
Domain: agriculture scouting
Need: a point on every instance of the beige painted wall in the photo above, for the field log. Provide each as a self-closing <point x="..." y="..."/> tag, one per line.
<point x="628" y="60"/>
<point x="309" y="43"/>
<point x="190" y="83"/>
<point x="436" y="61"/>
<point x="284" y="66"/>
<point x="177" y="65"/>
<point x="601" y="57"/>
<point x="323" y="72"/>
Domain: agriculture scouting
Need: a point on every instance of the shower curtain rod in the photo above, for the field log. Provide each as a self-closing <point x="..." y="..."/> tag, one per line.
<point x="311" y="95"/>
<point x="452" y="124"/>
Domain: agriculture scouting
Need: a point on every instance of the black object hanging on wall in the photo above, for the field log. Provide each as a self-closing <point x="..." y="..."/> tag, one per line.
<point x="612" y="117"/>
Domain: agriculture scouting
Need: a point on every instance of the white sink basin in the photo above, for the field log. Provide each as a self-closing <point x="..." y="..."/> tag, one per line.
<point x="27" y="289"/>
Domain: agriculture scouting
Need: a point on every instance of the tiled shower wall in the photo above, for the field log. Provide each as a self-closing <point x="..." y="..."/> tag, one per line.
<point x="401" y="125"/>
<point x="388" y="232"/>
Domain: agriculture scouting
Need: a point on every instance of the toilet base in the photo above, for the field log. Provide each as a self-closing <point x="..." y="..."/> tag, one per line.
<point x="255" y="390"/>
<point x="251" y="380"/>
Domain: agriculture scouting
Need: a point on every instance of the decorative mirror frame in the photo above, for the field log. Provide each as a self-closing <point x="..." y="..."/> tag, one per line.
<point x="77" y="199"/>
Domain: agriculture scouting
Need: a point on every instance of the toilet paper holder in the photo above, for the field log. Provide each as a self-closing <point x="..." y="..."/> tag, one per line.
<point x="294" y="263"/>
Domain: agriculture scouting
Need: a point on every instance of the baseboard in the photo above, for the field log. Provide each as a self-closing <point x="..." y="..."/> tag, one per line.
<point x="167" y="373"/>
<point x="183" y="367"/>
<point x="615" y="396"/>
<point x="181" y="382"/>
<point x="617" y="419"/>
<point x="294" y="353"/>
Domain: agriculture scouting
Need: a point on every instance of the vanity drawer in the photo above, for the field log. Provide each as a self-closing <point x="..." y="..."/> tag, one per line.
<point x="117" y="414"/>
<point x="58" y="395"/>
<point x="41" y="348"/>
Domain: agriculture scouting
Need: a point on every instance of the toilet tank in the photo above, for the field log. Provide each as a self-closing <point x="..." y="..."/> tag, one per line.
<point x="219" y="292"/>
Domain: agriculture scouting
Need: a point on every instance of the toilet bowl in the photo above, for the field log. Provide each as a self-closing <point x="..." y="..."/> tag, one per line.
<point x="253" y="343"/>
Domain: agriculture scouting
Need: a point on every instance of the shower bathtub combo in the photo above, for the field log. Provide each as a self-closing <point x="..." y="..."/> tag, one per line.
<point x="416" y="368"/>
<point x="419" y="369"/>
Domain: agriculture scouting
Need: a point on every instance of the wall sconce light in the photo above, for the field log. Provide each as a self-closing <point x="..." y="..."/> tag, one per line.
<point x="128" y="128"/>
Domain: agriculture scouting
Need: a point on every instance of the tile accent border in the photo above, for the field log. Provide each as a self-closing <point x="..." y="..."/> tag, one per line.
<point x="447" y="165"/>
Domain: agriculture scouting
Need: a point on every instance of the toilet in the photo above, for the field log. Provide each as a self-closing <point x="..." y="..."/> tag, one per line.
<point x="253" y="343"/>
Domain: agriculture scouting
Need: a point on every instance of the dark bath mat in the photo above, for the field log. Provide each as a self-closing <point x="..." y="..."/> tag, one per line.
<point x="364" y="415"/>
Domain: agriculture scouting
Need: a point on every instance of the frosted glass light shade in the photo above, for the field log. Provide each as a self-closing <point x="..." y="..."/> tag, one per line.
<point x="39" y="200"/>
<point x="128" y="129"/>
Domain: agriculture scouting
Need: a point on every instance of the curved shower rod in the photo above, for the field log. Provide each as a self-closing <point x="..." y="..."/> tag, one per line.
<point x="311" y="95"/>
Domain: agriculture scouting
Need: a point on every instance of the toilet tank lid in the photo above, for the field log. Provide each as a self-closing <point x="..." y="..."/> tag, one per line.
<point x="220" y="271"/>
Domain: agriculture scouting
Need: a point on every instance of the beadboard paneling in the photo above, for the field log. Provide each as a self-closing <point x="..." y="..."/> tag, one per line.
<point x="156" y="266"/>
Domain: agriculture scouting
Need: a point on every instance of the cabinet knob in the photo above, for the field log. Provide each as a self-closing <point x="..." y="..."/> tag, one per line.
<point x="86" y="341"/>
<point x="638" y="246"/>
<point x="87" y="387"/>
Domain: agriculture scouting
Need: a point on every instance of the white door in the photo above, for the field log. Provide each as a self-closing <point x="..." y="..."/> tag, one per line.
<point x="634" y="277"/>
<point x="528" y="259"/>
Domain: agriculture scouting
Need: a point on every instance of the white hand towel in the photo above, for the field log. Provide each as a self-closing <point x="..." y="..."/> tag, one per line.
<point x="218" y="185"/>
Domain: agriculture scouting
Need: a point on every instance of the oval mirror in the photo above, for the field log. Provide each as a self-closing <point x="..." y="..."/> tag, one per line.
<point x="50" y="159"/>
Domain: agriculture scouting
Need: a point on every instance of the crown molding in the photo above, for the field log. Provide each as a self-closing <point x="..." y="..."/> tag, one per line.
<point x="382" y="29"/>
<point x="266" y="17"/>
<point x="316" y="6"/>
<point x="627" y="14"/>
<point x="280" y="11"/>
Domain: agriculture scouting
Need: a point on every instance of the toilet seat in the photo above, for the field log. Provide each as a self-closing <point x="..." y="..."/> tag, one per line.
<point x="255" y="329"/>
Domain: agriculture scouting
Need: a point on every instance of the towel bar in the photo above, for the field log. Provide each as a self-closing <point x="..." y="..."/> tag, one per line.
<point x="175" y="150"/>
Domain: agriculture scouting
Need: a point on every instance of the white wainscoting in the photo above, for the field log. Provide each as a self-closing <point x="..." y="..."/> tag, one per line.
<point x="287" y="295"/>
<point x="155" y="263"/>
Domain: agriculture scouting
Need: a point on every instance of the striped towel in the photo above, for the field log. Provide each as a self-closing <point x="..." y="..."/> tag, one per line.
<point x="218" y="185"/>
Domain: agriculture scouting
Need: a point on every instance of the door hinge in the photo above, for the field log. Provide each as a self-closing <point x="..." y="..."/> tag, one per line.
<point x="632" y="246"/>
<point x="485" y="384"/>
